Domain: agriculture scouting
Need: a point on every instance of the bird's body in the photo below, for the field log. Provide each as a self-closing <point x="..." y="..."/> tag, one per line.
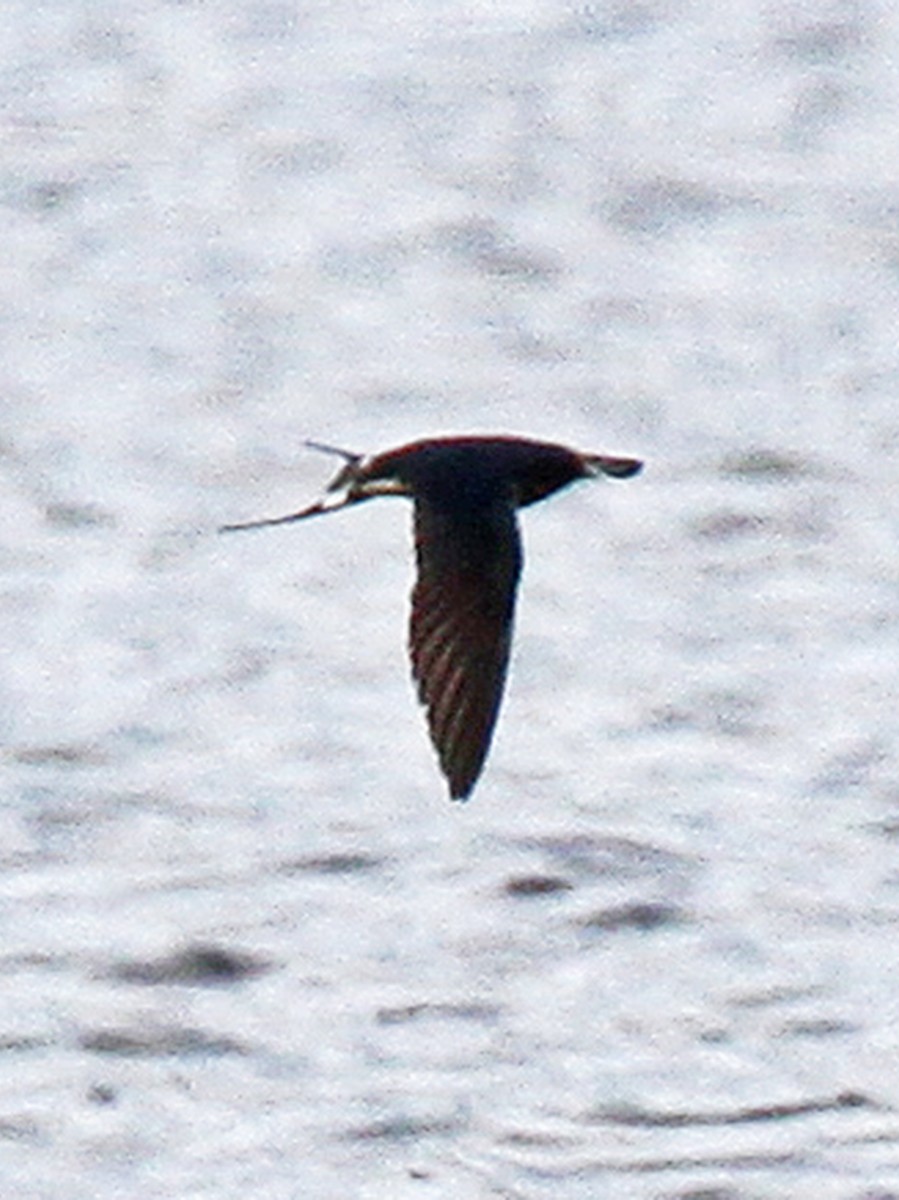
<point x="465" y="492"/>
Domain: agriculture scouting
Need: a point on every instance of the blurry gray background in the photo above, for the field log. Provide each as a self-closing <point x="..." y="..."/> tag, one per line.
<point x="249" y="948"/>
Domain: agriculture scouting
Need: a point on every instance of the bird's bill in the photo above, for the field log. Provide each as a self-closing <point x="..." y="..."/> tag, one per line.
<point x="606" y="464"/>
<point x="345" y="489"/>
<point x="326" y="505"/>
<point x="349" y="455"/>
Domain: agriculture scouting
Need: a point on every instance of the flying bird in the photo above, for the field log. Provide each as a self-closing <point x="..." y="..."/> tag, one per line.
<point x="465" y="492"/>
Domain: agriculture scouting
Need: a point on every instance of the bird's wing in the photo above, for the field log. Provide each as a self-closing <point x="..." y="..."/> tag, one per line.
<point x="460" y="632"/>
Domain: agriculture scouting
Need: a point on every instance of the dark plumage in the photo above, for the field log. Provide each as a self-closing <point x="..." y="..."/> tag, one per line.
<point x="465" y="492"/>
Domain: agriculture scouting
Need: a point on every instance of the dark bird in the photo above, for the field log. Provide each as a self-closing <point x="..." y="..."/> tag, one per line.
<point x="465" y="491"/>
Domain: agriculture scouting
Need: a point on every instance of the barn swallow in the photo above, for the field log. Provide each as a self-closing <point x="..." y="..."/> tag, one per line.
<point x="465" y="493"/>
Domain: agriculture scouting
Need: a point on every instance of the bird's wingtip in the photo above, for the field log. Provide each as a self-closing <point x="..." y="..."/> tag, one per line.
<point x="616" y="468"/>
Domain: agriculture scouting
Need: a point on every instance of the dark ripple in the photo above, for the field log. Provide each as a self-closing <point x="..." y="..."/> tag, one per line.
<point x="20" y="1129"/>
<point x="752" y="1161"/>
<point x="818" y="1027"/>
<point x="77" y="516"/>
<point x="654" y="206"/>
<point x="529" y="886"/>
<point x="338" y="863"/>
<point x="610" y="22"/>
<point x="42" y="197"/>
<point x="606" y="857"/>
<point x="764" y="466"/>
<point x="437" y="1010"/>
<point x="18" y="1042"/>
<point x="485" y="246"/>
<point x="172" y="1042"/>
<point x="642" y="916"/>
<point x="823" y="42"/>
<point x="64" y="755"/>
<point x="198" y="964"/>
<point x="647" y="1119"/>
<point x="708" y="1193"/>
<point x="403" y="1129"/>
<point x="728" y="525"/>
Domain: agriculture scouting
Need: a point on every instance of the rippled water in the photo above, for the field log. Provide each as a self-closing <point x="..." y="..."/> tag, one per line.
<point x="249" y="946"/>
